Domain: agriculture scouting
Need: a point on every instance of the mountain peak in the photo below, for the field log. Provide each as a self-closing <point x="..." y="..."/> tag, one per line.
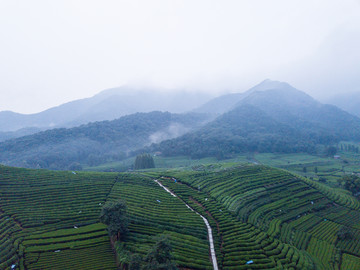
<point x="270" y="84"/>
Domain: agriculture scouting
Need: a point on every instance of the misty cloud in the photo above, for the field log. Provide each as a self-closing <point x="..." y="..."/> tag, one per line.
<point x="173" y="131"/>
<point x="57" y="51"/>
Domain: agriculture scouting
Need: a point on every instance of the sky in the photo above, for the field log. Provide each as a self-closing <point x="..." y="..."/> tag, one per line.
<point x="52" y="52"/>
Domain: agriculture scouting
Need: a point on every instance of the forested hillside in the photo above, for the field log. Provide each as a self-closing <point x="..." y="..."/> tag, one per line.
<point x="279" y="120"/>
<point x="97" y="142"/>
<point x="272" y="117"/>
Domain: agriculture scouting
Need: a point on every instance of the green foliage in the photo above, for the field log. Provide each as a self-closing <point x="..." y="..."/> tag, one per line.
<point x="245" y="129"/>
<point x="114" y="215"/>
<point x="91" y="144"/>
<point x="351" y="183"/>
<point x="159" y="256"/>
<point x="322" y="180"/>
<point x="144" y="161"/>
<point x="56" y="214"/>
<point x="331" y="151"/>
<point x="344" y="233"/>
<point x="297" y="212"/>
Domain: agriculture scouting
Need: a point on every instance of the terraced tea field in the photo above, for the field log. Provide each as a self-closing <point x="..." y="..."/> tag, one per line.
<point x="261" y="218"/>
<point x="289" y="222"/>
<point x="50" y="220"/>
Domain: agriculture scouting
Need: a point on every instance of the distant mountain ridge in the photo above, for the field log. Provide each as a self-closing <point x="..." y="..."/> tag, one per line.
<point x="270" y="117"/>
<point x="349" y="102"/>
<point x="228" y="102"/>
<point x="107" y="105"/>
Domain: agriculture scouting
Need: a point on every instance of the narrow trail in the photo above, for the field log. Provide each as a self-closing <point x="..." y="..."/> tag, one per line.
<point x="210" y="236"/>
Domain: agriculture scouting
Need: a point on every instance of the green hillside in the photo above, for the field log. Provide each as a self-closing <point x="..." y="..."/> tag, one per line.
<point x="297" y="217"/>
<point x="261" y="217"/>
<point x="50" y="220"/>
<point x="273" y="117"/>
<point x="95" y="143"/>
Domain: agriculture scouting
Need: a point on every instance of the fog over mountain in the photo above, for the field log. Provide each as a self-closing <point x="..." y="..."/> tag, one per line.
<point x="54" y="52"/>
<point x="107" y="105"/>
<point x="271" y="117"/>
<point x="349" y="102"/>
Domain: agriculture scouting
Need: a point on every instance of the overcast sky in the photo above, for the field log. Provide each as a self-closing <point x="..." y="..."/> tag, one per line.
<point x="55" y="51"/>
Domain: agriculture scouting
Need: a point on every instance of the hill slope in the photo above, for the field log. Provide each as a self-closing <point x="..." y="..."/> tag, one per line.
<point x="97" y="142"/>
<point x="267" y="119"/>
<point x="281" y="208"/>
<point x="297" y="109"/>
<point x="349" y="102"/>
<point x="50" y="220"/>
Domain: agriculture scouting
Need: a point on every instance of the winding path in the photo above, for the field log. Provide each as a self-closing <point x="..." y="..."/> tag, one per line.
<point x="211" y="240"/>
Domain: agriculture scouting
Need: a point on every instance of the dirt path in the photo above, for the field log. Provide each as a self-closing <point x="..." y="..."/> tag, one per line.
<point x="210" y="236"/>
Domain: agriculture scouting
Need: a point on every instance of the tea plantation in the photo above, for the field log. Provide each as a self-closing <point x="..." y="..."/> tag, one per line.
<point x="281" y="220"/>
<point x="261" y="218"/>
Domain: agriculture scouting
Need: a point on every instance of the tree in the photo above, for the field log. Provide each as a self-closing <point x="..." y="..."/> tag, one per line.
<point x="344" y="233"/>
<point x="351" y="183"/>
<point x="316" y="170"/>
<point x="322" y="180"/>
<point x="331" y="151"/>
<point x="159" y="256"/>
<point x="114" y="215"/>
<point x="144" y="161"/>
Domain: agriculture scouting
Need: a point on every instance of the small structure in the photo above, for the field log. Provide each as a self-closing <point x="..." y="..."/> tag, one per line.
<point x="250" y="262"/>
<point x="336" y="157"/>
<point x="158" y="201"/>
<point x="75" y="227"/>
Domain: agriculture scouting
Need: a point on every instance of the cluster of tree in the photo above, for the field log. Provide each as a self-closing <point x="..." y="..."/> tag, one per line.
<point x="114" y="215"/>
<point x="331" y="151"/>
<point x="349" y="148"/>
<point x="245" y="129"/>
<point x="144" y="161"/>
<point x="351" y="183"/>
<point x="90" y="144"/>
<point x="158" y="257"/>
<point x="277" y="120"/>
<point x="344" y="233"/>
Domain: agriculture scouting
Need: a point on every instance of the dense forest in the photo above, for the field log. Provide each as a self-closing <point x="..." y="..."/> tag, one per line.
<point x="97" y="142"/>
<point x="274" y="121"/>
